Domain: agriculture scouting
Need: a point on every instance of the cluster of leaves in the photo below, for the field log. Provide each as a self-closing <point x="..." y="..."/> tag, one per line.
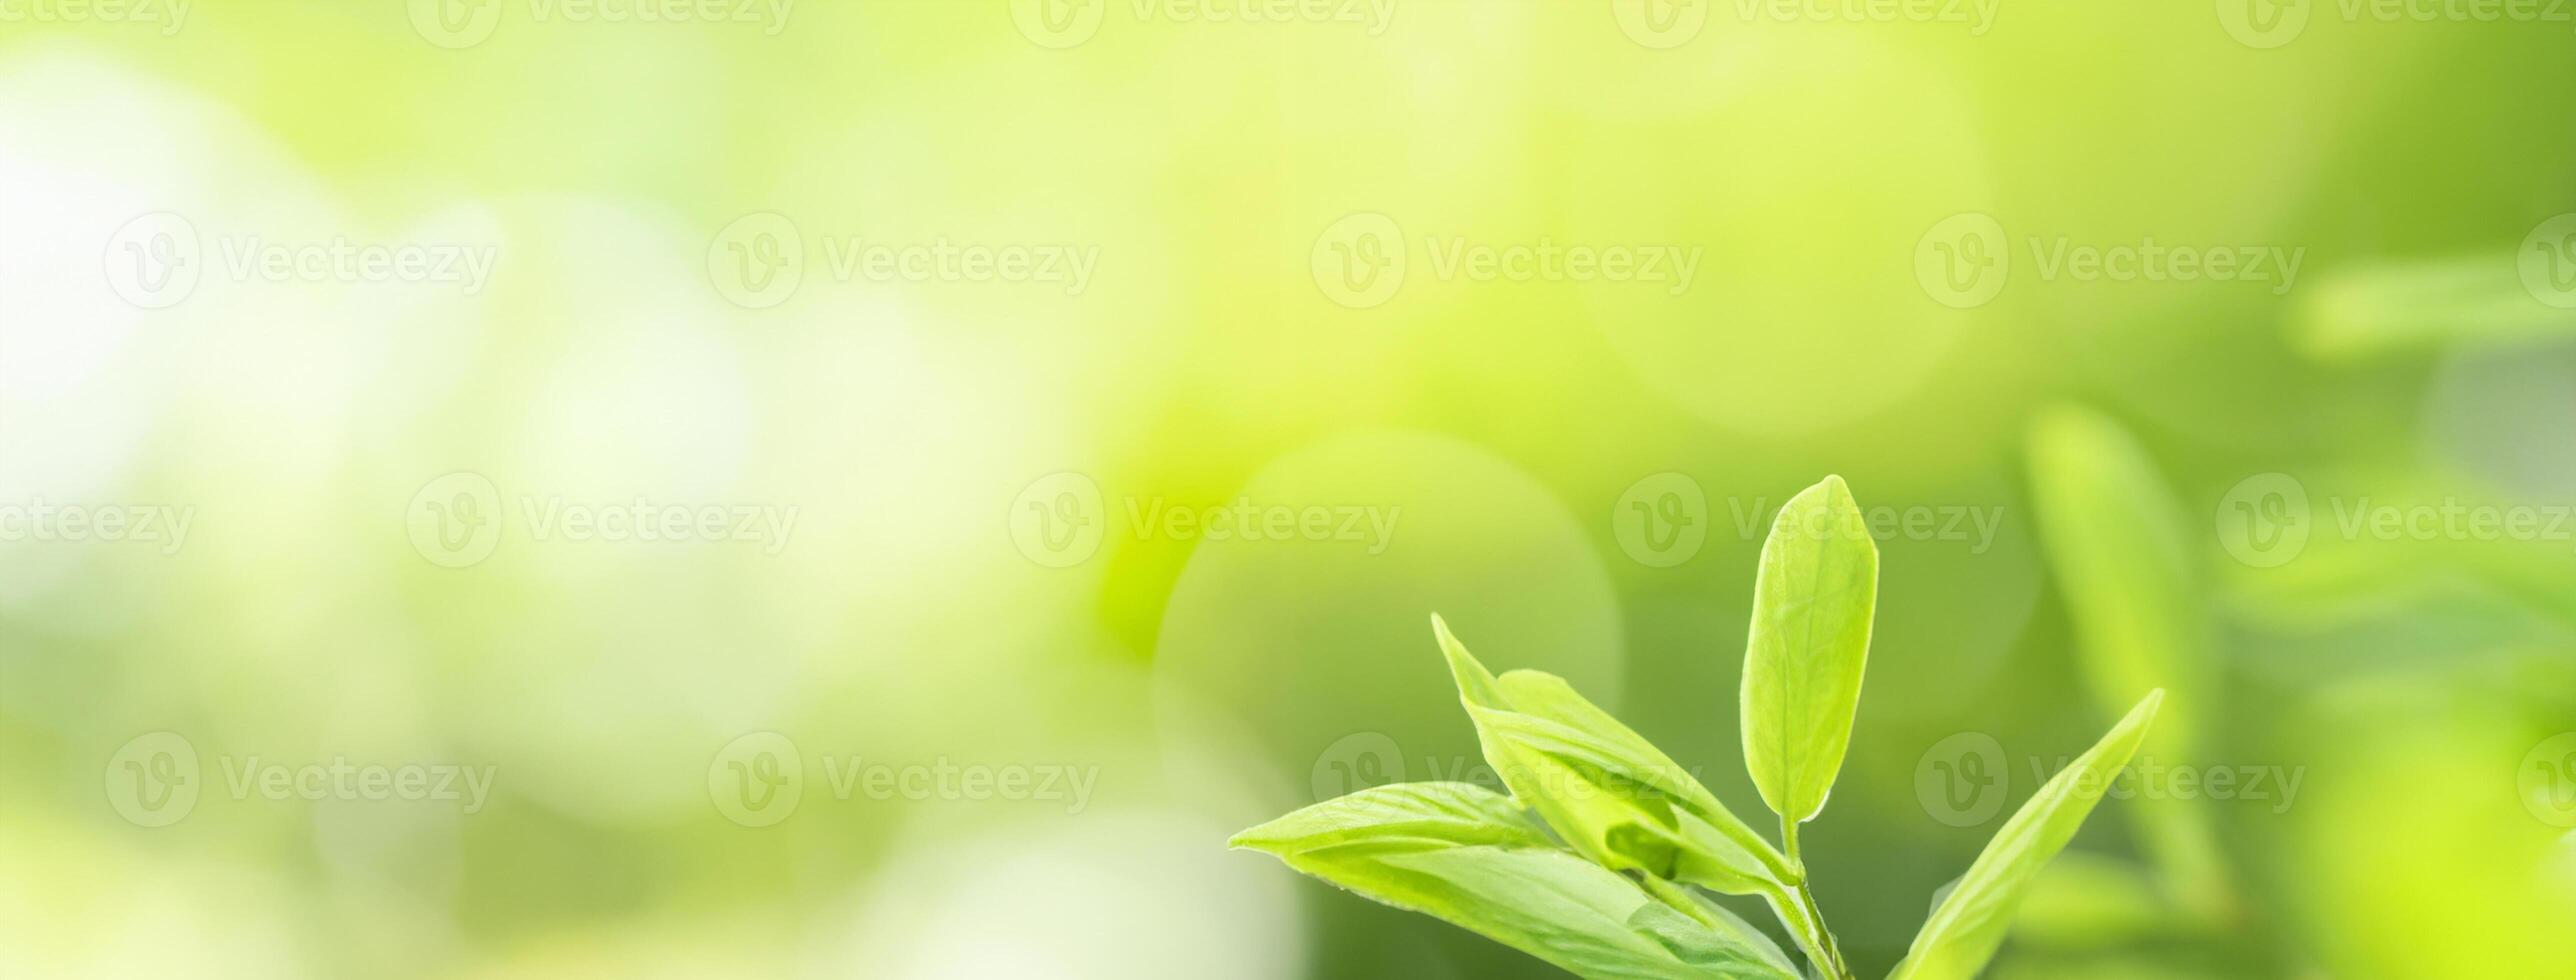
<point x="1600" y="858"/>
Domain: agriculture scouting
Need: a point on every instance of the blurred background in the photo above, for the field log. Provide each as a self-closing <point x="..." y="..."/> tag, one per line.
<point x="883" y="488"/>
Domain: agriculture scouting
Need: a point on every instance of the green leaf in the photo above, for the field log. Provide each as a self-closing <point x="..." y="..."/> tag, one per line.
<point x="2370" y="309"/>
<point x="2115" y="538"/>
<point x="1969" y="924"/>
<point x="1609" y="793"/>
<point x="1722" y="919"/>
<point x="1467" y="856"/>
<point x="1812" y="607"/>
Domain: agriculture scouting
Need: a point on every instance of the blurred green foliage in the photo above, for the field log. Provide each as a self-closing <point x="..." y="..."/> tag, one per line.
<point x="1577" y="468"/>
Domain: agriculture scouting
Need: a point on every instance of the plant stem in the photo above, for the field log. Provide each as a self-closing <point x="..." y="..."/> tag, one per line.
<point x="1821" y="950"/>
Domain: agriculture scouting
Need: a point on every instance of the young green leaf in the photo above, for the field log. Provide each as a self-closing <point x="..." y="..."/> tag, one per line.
<point x="1612" y="795"/>
<point x="1812" y="607"/>
<point x="1723" y="920"/>
<point x="2114" y="536"/>
<point x="1969" y="924"/>
<point x="1466" y="855"/>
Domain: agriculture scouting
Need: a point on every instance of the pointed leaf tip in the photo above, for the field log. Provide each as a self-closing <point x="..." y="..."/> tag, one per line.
<point x="1475" y="683"/>
<point x="1969" y="923"/>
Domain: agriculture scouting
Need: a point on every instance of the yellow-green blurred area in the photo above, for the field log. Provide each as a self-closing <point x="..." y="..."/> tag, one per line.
<point x="883" y="488"/>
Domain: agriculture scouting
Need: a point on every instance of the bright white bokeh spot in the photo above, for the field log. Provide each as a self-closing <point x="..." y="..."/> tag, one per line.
<point x="1128" y="896"/>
